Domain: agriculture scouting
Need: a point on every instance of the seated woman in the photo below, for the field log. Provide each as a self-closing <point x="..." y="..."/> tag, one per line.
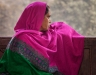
<point x="41" y="48"/>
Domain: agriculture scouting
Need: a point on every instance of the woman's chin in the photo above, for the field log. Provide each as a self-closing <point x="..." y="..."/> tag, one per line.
<point x="43" y="30"/>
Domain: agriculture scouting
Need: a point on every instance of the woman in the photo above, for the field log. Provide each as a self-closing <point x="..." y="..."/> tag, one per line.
<point x="40" y="49"/>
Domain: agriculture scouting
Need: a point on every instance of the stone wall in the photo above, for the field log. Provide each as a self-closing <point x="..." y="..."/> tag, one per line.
<point x="80" y="14"/>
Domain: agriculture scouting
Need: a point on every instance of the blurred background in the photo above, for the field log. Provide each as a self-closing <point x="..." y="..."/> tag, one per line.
<point x="80" y="14"/>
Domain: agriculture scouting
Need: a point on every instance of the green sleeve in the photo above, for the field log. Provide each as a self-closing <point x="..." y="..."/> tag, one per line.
<point x="16" y="64"/>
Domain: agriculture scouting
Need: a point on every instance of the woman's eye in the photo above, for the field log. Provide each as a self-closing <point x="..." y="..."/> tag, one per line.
<point x="48" y="16"/>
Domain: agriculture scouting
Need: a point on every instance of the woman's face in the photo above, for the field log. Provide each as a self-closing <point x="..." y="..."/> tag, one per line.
<point x="46" y="22"/>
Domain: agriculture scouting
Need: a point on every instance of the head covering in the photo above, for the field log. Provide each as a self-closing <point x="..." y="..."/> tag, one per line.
<point x="61" y="45"/>
<point x="32" y="17"/>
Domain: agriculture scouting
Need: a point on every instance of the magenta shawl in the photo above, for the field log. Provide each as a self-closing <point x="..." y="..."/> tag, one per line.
<point x="61" y="45"/>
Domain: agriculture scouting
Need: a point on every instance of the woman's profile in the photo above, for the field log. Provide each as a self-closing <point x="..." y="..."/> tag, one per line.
<point x="40" y="47"/>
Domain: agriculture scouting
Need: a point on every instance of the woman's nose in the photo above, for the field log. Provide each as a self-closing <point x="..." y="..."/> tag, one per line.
<point x="49" y="21"/>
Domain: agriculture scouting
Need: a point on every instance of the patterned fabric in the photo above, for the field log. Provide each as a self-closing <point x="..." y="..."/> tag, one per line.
<point x="31" y="54"/>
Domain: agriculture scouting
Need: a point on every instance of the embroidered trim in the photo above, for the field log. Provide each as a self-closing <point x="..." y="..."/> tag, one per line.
<point x="53" y="69"/>
<point x="28" y="52"/>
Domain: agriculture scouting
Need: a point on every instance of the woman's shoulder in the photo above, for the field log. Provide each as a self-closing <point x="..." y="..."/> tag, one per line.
<point x="16" y="41"/>
<point x="60" y="26"/>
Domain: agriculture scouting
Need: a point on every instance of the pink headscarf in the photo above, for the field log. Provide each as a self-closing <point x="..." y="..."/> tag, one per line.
<point x="32" y="17"/>
<point x="61" y="44"/>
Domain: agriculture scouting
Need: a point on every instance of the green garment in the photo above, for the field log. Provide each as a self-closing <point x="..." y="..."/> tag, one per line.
<point x="16" y="64"/>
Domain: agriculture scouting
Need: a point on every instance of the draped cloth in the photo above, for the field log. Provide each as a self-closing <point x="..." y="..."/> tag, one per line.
<point x="57" y="51"/>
